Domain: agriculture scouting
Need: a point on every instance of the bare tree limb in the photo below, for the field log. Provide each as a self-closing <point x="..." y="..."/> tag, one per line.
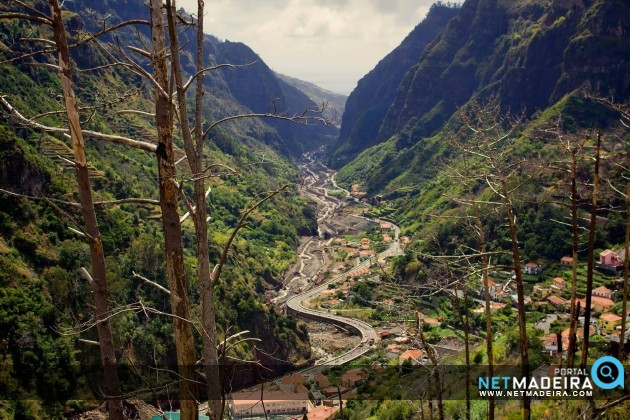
<point x="152" y="283"/>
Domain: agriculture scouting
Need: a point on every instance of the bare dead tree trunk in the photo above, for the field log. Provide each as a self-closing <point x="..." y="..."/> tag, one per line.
<point x="435" y="375"/>
<point x="109" y="363"/>
<point x="574" y="226"/>
<point x="626" y="263"/>
<point x="591" y="248"/>
<point x="169" y="191"/>
<point x="194" y="154"/>
<point x="520" y="294"/>
<point x="486" y="290"/>
<point x="464" y="320"/>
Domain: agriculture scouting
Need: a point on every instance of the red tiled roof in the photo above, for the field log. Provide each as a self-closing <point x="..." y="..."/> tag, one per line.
<point x="411" y="354"/>
<point x="610" y="317"/>
<point x="557" y="300"/>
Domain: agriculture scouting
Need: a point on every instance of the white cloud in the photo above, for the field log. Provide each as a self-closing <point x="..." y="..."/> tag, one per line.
<point x="329" y="42"/>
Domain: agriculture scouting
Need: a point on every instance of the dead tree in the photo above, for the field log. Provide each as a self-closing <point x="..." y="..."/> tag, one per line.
<point x="194" y="139"/>
<point x="98" y="278"/>
<point x="486" y="134"/>
<point x="573" y="146"/>
<point x="169" y="200"/>
<point x="591" y="248"/>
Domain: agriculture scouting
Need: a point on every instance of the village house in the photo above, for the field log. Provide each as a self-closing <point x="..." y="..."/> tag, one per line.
<point x="558" y="303"/>
<point x="387" y="239"/>
<point x="366" y="253"/>
<point x="541" y="291"/>
<point x="415" y="355"/>
<point x="353" y="377"/>
<point x="527" y="300"/>
<point x="558" y="284"/>
<point x="294" y="379"/>
<point x="494" y="308"/>
<point x="365" y="241"/>
<point x="598" y="304"/>
<point x="248" y="404"/>
<point x="612" y="258"/>
<point x="492" y="287"/>
<point x="532" y="268"/>
<point x="602" y="291"/>
<point x="321" y="380"/>
<point x="550" y="342"/>
<point x="566" y="261"/>
<point x="385" y="227"/>
<point x="322" y="412"/>
<point x="392" y="351"/>
<point x="609" y="322"/>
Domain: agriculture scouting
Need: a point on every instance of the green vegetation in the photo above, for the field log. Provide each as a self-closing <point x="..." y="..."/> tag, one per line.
<point x="45" y="302"/>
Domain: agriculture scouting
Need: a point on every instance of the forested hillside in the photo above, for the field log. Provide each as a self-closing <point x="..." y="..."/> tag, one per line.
<point x="46" y="304"/>
<point x="533" y="58"/>
<point x="370" y="101"/>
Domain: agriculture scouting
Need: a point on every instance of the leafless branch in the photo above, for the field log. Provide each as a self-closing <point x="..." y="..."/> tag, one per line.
<point x="149" y="147"/>
<point x="152" y="283"/>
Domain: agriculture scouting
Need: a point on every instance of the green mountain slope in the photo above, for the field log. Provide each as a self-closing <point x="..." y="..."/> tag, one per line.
<point x="528" y="54"/>
<point x="44" y="300"/>
<point x="370" y="101"/>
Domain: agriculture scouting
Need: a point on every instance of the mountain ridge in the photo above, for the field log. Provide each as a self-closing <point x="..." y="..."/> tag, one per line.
<point x="527" y="54"/>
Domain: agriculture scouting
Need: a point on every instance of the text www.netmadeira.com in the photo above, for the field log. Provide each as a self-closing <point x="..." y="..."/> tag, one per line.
<point x="535" y="393"/>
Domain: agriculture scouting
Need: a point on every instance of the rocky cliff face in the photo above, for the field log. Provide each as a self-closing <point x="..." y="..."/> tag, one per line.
<point x="529" y="54"/>
<point x="368" y="104"/>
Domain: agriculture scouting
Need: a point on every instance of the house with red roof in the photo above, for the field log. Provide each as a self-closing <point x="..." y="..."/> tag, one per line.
<point x="353" y="377"/>
<point x="532" y="268"/>
<point x="558" y="284"/>
<point x="609" y="322"/>
<point x="322" y="412"/>
<point x="558" y="302"/>
<point x="414" y="355"/>
<point x="598" y="304"/>
<point x="602" y="291"/>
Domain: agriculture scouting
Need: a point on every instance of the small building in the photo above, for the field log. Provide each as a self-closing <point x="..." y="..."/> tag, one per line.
<point x="353" y="377"/>
<point x="247" y="404"/>
<point x="321" y="380"/>
<point x="598" y="304"/>
<point x="532" y="268"/>
<point x="365" y="241"/>
<point x="366" y="253"/>
<point x="566" y="261"/>
<point x="414" y="355"/>
<point x="322" y="412"/>
<point x="602" y="291"/>
<point x="558" y="284"/>
<point x="541" y="291"/>
<point x="385" y="227"/>
<point x="609" y="322"/>
<point x="610" y="257"/>
<point x="295" y="379"/>
<point x="557" y="302"/>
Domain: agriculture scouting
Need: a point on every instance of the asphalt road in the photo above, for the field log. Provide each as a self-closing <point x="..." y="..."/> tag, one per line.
<point x="296" y="302"/>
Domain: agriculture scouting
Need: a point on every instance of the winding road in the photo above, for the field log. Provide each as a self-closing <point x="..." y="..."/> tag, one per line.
<point x="296" y="304"/>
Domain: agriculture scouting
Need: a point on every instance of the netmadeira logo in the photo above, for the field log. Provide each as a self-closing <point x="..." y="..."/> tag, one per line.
<point x="606" y="373"/>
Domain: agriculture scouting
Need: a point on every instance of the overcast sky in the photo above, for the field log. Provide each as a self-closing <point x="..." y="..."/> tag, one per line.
<point x="331" y="43"/>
